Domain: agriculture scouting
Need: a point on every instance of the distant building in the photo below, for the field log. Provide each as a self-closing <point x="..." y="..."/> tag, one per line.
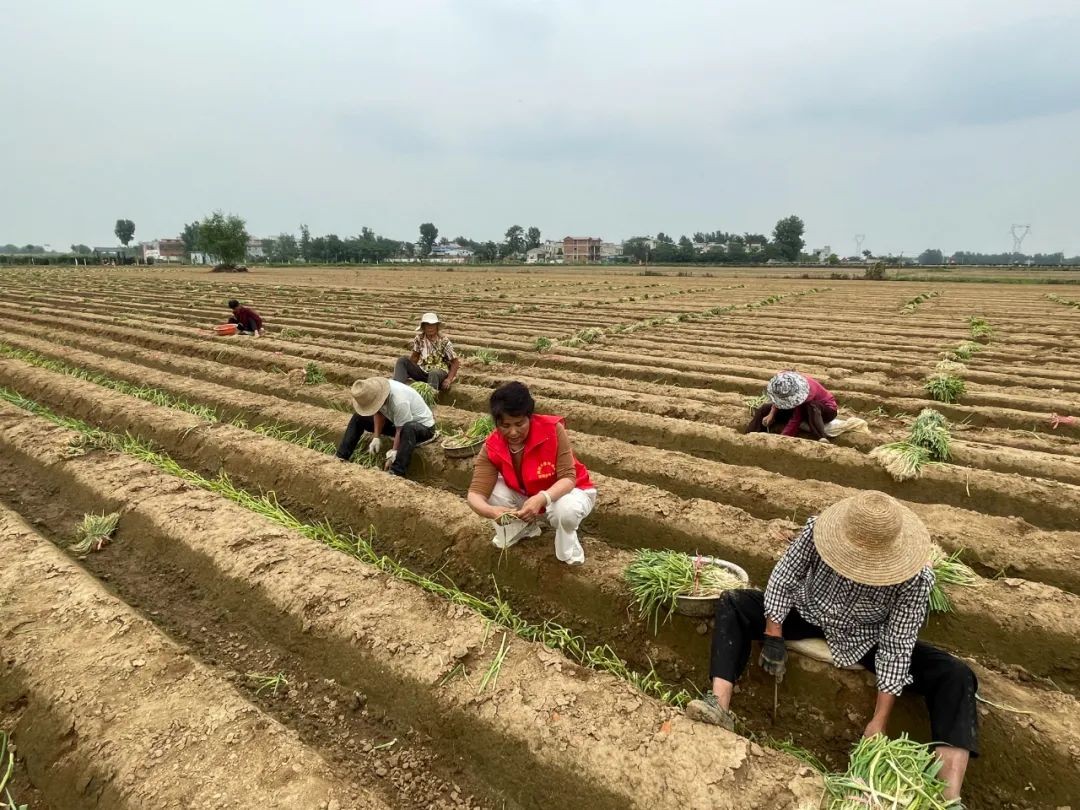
<point x="256" y="248"/>
<point x="546" y="253"/>
<point x="110" y="251"/>
<point x="450" y="253"/>
<point x="581" y="249"/>
<point x="610" y="250"/>
<point x="162" y="250"/>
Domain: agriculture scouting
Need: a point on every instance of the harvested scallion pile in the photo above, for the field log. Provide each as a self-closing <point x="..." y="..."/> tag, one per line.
<point x="899" y="774"/>
<point x="948" y="570"/>
<point x="927" y="442"/>
<point x="478" y="431"/>
<point x="931" y="430"/>
<point x="945" y="388"/>
<point x="94" y="532"/>
<point x="426" y="392"/>
<point x="902" y="460"/>
<point x="658" y="578"/>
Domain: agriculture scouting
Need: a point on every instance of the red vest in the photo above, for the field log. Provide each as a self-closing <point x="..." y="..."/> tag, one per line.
<point x="538" y="461"/>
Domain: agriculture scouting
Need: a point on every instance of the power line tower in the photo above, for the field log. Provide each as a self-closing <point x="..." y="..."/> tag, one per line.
<point x="1018" y="233"/>
<point x="859" y="239"/>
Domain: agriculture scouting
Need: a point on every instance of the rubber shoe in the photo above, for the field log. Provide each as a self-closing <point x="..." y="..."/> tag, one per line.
<point x="708" y="710"/>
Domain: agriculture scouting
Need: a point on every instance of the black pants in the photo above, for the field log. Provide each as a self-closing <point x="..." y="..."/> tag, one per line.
<point x="242" y="327"/>
<point x="815" y="416"/>
<point x="947" y="683"/>
<point x="405" y="369"/>
<point x="412" y="434"/>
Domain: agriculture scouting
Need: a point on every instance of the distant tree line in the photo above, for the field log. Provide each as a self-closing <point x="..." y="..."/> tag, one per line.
<point x="720" y="247"/>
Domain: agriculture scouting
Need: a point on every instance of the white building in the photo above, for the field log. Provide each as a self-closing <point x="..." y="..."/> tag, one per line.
<point x="256" y="248"/>
<point x="450" y="253"/>
<point x="547" y="252"/>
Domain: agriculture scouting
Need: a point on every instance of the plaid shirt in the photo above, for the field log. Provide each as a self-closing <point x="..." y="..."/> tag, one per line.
<point x="435" y="355"/>
<point x="853" y="617"/>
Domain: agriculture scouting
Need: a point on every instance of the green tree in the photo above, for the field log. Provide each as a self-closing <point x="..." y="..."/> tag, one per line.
<point x="637" y="248"/>
<point x="224" y="237"/>
<point x="81" y="250"/>
<point x="663" y="239"/>
<point x="736" y="250"/>
<point x="515" y="240"/>
<point x="788" y="238"/>
<point x="428" y="234"/>
<point x="486" y="252"/>
<point x="190" y="237"/>
<point x="284" y="248"/>
<point x="124" y="230"/>
<point x="305" y="243"/>
<point x="931" y="256"/>
<point x="532" y="238"/>
<point x="687" y="252"/>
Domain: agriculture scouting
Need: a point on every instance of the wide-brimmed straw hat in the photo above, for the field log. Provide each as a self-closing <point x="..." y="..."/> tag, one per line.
<point x="369" y="395"/>
<point x="871" y="539"/>
<point x="428" y="317"/>
<point x="788" y="390"/>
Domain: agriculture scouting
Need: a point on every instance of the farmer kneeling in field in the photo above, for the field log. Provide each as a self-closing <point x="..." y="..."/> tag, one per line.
<point x="859" y="576"/>
<point x="246" y="319"/>
<point x="432" y="360"/>
<point x="527" y="469"/>
<point x="378" y="401"/>
<point x="798" y="400"/>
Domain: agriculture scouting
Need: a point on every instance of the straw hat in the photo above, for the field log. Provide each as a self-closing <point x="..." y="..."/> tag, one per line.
<point x="369" y="395"/>
<point x="788" y="390"/>
<point x="871" y="539"/>
<point x="428" y="317"/>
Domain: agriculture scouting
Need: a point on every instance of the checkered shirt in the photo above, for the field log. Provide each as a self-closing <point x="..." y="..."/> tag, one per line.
<point x="854" y="617"/>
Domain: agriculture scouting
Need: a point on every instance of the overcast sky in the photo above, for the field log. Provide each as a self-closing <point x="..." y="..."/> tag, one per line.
<point x="922" y="123"/>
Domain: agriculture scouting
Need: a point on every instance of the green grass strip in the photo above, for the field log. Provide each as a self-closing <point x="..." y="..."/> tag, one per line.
<point x="157" y="396"/>
<point x="494" y="609"/>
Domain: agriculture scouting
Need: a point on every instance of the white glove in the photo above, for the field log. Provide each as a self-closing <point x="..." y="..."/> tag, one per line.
<point x="391" y="456"/>
<point x="375" y="446"/>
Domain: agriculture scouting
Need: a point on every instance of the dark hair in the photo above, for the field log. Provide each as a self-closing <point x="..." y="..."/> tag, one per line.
<point x="512" y="399"/>
<point x="233" y="303"/>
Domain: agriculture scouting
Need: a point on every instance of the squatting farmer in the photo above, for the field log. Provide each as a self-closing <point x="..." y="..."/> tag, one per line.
<point x="858" y="576"/>
<point x="247" y="320"/>
<point x="380" y="403"/>
<point x="432" y="360"/>
<point x="527" y="469"/>
<point x="799" y="401"/>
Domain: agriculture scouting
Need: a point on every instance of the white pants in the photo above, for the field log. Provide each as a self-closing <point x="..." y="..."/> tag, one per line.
<point x="564" y="515"/>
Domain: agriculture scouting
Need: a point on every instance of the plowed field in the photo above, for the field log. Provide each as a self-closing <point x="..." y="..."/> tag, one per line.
<point x="270" y="628"/>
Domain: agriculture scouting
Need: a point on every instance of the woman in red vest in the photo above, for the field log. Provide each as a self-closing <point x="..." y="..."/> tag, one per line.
<point x="527" y="469"/>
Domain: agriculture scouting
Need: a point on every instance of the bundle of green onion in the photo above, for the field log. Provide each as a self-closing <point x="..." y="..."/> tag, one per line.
<point x="902" y="460"/>
<point x="931" y="430"/>
<point x="426" y="392"/>
<point x="899" y="774"/>
<point x="93" y="533"/>
<point x="948" y="570"/>
<point x="928" y="441"/>
<point x="658" y="578"/>
<point x="480" y="429"/>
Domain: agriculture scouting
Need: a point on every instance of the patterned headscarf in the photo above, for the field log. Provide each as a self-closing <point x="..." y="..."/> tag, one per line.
<point x="788" y="390"/>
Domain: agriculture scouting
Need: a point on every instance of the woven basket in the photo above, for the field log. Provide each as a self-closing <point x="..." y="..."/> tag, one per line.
<point x="464" y="451"/>
<point x="703" y="607"/>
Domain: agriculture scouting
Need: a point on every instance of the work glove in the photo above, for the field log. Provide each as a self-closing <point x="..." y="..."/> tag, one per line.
<point x="774" y="657"/>
<point x="391" y="456"/>
<point x="375" y="446"/>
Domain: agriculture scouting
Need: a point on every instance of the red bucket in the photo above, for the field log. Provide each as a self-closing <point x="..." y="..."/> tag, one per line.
<point x="225" y="329"/>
